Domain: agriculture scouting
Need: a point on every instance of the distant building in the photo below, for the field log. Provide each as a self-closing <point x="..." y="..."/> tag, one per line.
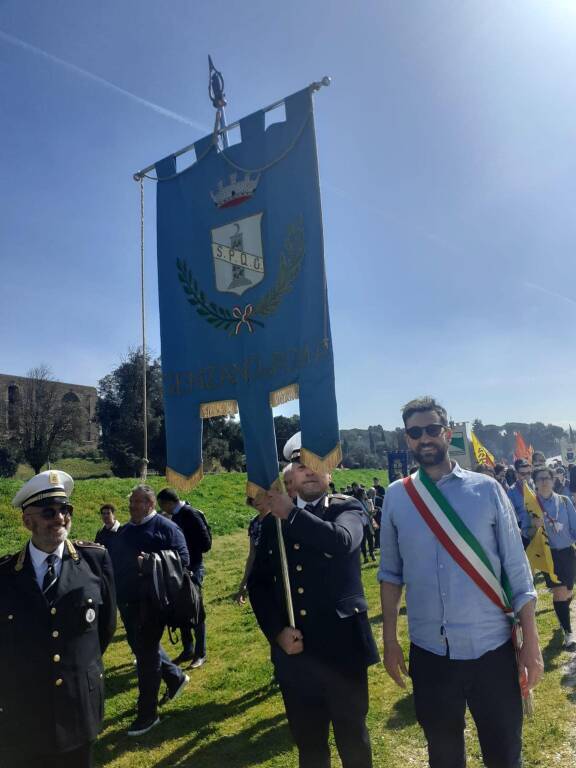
<point x="11" y="389"/>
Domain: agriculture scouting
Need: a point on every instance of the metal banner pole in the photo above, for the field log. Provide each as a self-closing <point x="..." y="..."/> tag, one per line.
<point x="285" y="574"/>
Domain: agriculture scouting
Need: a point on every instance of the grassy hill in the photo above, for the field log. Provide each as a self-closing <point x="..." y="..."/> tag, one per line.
<point x="230" y="715"/>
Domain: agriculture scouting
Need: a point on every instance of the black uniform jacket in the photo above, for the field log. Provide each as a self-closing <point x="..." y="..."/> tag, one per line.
<point x="51" y="676"/>
<point x="323" y="554"/>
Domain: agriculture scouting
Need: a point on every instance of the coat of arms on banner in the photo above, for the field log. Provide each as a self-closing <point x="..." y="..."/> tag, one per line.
<point x="237" y="255"/>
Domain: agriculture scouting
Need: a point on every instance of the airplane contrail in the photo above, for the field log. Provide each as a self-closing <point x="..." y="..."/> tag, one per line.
<point x="548" y="292"/>
<point x="106" y="83"/>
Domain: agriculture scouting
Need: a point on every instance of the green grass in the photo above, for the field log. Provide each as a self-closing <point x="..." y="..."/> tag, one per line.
<point x="229" y="715"/>
<point x="77" y="467"/>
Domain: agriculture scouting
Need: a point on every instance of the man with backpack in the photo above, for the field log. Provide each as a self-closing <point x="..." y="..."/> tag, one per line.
<point x="146" y="533"/>
<point x="196" y="530"/>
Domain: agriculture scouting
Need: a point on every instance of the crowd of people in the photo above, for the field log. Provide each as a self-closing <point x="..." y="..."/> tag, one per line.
<point x="456" y="539"/>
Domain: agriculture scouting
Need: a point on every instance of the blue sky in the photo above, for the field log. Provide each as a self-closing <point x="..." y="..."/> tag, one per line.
<point x="447" y="148"/>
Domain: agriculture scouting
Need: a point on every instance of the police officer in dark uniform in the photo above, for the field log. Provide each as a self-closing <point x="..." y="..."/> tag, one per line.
<point x="321" y="663"/>
<point x="57" y="616"/>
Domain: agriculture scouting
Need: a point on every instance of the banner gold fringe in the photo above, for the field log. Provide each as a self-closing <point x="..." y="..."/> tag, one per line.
<point x="284" y="395"/>
<point x="184" y="482"/>
<point x="218" y="408"/>
<point x="319" y="464"/>
<point x="253" y="489"/>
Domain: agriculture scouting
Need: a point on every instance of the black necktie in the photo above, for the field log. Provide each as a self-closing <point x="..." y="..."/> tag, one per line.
<point x="50" y="578"/>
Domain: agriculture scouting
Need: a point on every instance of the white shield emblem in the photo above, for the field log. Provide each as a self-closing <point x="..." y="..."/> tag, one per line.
<point x="237" y="255"/>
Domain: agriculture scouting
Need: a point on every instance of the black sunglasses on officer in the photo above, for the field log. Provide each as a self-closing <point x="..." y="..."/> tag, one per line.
<point x="50" y="509"/>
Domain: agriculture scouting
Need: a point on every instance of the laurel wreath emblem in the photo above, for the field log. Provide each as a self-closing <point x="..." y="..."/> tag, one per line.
<point x="234" y="320"/>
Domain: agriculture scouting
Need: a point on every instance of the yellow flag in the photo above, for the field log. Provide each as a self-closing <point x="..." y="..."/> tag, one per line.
<point x="483" y="455"/>
<point x="538" y="551"/>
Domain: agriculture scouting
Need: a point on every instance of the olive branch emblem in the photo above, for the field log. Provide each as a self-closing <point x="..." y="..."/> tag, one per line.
<point x="234" y="320"/>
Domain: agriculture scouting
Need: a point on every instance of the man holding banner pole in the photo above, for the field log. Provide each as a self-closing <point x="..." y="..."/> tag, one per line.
<point x="322" y="644"/>
<point x="451" y="537"/>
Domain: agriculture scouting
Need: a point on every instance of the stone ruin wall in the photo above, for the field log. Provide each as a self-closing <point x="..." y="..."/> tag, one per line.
<point x="11" y="388"/>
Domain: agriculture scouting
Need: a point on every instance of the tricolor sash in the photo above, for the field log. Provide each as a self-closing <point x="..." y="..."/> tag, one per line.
<point x="461" y="544"/>
<point x="457" y="539"/>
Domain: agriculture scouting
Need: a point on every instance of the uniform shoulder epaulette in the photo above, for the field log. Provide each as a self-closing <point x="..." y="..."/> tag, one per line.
<point x="78" y="543"/>
<point x="340" y="497"/>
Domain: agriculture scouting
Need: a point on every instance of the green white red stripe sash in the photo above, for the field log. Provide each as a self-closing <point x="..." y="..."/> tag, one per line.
<point x="457" y="539"/>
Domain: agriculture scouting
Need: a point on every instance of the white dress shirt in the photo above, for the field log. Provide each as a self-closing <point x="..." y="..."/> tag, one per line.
<point x="39" y="561"/>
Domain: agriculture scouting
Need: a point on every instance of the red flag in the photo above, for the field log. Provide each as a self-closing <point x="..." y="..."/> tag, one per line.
<point x="521" y="451"/>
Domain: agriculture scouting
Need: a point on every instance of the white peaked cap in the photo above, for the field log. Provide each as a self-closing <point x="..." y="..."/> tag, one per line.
<point x="292" y="447"/>
<point x="52" y="484"/>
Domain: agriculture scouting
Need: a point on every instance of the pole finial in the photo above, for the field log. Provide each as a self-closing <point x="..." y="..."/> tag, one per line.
<point x="215" y="86"/>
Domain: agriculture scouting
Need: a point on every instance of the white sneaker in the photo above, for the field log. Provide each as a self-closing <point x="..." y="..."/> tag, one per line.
<point x="569" y="641"/>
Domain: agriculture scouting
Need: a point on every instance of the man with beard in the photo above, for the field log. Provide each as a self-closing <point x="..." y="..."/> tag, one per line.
<point x="57" y="616"/>
<point x="321" y="663"/>
<point x="449" y="534"/>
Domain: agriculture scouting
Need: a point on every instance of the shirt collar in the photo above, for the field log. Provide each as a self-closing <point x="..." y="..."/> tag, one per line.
<point x="178" y="507"/>
<point x="114" y="528"/>
<point x="456" y="471"/>
<point x="38" y="556"/>
<point x="300" y="503"/>
<point x="145" y="519"/>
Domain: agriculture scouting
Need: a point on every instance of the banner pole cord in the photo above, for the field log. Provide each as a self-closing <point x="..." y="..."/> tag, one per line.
<point x="144" y="467"/>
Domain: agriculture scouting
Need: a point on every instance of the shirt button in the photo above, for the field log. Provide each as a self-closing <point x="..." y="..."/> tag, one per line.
<point x="303" y="612"/>
<point x="59" y="682"/>
<point x="55" y="633"/>
<point x="90" y="600"/>
<point x="443" y="594"/>
<point x="298" y="567"/>
<point x="441" y="566"/>
<point x="53" y="611"/>
<point x="10" y="617"/>
<point x="296" y="546"/>
<point x="269" y="551"/>
<point x="56" y="657"/>
<point x="356" y="610"/>
<point x="300" y="590"/>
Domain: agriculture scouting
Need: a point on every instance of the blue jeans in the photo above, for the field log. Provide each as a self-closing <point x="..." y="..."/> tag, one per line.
<point x="153" y="664"/>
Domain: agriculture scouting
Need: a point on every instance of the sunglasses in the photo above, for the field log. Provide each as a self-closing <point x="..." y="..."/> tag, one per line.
<point x="49" y="513"/>
<point x="433" y="430"/>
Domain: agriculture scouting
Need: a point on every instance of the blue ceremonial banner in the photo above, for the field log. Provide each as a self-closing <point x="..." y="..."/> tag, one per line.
<point x="243" y="303"/>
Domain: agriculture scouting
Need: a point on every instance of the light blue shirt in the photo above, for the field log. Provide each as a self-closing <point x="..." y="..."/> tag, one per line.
<point x="516" y="496"/>
<point x="559" y="509"/>
<point x="446" y="609"/>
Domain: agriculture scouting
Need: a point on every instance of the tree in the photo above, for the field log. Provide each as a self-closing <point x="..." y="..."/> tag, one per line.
<point x="8" y="460"/>
<point x="223" y="444"/>
<point x="120" y="405"/>
<point x="45" y="419"/>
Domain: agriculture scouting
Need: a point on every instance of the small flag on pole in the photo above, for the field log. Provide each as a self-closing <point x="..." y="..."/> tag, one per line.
<point x="483" y="455"/>
<point x="538" y="551"/>
<point x="522" y="451"/>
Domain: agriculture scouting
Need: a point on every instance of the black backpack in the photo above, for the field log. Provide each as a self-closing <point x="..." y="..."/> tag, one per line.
<point x="171" y="591"/>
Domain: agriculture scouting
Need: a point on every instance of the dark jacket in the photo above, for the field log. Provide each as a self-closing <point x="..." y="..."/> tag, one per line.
<point x="154" y="535"/>
<point x="197" y="536"/>
<point x="51" y="674"/>
<point x="323" y="553"/>
<point x="105" y="535"/>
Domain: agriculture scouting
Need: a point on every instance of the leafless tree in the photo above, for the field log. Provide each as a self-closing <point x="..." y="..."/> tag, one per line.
<point x="45" y="419"/>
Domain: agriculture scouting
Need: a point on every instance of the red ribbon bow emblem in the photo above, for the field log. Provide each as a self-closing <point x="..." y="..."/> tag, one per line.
<point x="242" y="316"/>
